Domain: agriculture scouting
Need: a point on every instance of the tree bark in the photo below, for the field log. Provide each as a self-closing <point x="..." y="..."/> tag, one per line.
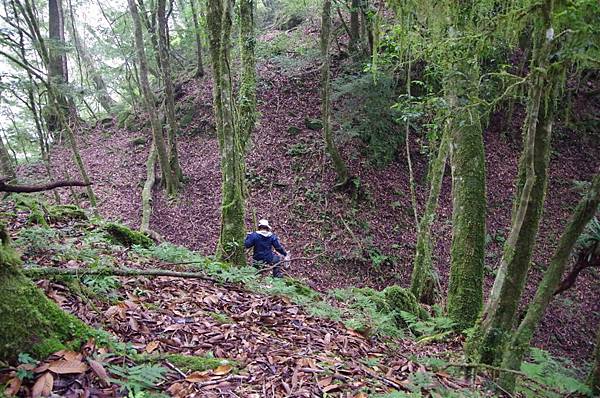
<point x="149" y="101"/>
<point x="519" y="343"/>
<point x="594" y="378"/>
<point x="147" y="190"/>
<point x="338" y="163"/>
<point x="230" y="247"/>
<point x="7" y="167"/>
<point x="57" y="65"/>
<point x="467" y="160"/>
<point x="247" y="94"/>
<point x="199" y="63"/>
<point x="423" y="278"/>
<point x="165" y="66"/>
<point x="354" y="26"/>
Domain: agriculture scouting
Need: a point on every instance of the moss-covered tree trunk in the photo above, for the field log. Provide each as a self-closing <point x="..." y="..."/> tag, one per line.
<point x="147" y="190"/>
<point x="423" y="278"/>
<point x="199" y="63"/>
<point x="168" y="178"/>
<point x="499" y="315"/>
<point x="231" y="239"/>
<point x="165" y="67"/>
<point x="8" y="169"/>
<point x="247" y="94"/>
<point x="519" y="343"/>
<point x="354" y="26"/>
<point x="467" y="160"/>
<point x="331" y="148"/>
<point x="29" y="321"/>
<point x="594" y="377"/>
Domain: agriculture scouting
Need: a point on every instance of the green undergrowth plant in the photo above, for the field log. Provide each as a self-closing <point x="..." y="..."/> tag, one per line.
<point x="558" y="374"/>
<point x="366" y="113"/>
<point x="36" y="240"/>
<point x="137" y="379"/>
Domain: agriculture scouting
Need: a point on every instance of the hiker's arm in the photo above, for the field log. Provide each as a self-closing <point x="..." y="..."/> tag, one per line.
<point x="249" y="242"/>
<point x="278" y="248"/>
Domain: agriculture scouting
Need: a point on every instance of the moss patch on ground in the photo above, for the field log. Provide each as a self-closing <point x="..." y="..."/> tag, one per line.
<point x="193" y="363"/>
<point x="125" y="236"/>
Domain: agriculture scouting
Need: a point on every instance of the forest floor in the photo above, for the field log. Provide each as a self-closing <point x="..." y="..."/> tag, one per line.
<point x="360" y="241"/>
<point x="247" y="339"/>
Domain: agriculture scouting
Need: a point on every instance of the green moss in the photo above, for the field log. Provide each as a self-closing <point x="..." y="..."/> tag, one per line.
<point x="221" y="318"/>
<point x="122" y="235"/>
<point x="188" y="363"/>
<point x="138" y="141"/>
<point x="401" y="299"/>
<point x="31" y="322"/>
<point x="66" y="213"/>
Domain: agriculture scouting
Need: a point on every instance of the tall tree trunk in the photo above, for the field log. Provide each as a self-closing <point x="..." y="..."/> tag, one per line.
<point x="8" y="169"/>
<point x="247" y="94"/>
<point x="467" y="160"/>
<point x="594" y="377"/>
<point x="230" y="247"/>
<point x="165" y="66"/>
<point x="102" y="96"/>
<point x="423" y="278"/>
<point x="57" y="64"/>
<point x="147" y="190"/>
<point x="354" y="26"/>
<point x="519" y="343"/>
<point x="30" y="322"/>
<point x="339" y="165"/>
<point x="149" y="101"/>
<point x="199" y="63"/>
<point x="499" y="315"/>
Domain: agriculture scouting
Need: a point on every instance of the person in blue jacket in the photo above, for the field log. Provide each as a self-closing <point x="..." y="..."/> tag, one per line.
<point x="263" y="241"/>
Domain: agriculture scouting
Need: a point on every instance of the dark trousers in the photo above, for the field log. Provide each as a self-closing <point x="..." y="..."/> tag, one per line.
<point x="276" y="262"/>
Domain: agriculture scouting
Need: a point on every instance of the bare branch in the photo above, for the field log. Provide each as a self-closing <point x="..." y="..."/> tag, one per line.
<point x="4" y="187"/>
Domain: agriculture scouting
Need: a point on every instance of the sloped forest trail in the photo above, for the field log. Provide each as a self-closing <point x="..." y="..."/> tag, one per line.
<point x="367" y="241"/>
<point x="270" y="347"/>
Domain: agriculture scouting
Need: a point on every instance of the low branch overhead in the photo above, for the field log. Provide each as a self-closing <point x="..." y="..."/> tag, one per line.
<point x="4" y="187"/>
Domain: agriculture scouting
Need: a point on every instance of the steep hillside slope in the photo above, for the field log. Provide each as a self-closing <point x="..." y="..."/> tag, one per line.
<point x="364" y="241"/>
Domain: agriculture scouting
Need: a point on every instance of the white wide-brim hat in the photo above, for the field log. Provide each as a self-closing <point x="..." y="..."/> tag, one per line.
<point x="264" y="223"/>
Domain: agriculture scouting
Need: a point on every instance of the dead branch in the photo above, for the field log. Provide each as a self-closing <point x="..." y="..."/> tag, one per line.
<point x="585" y="260"/>
<point x="4" y="187"/>
<point x="44" y="272"/>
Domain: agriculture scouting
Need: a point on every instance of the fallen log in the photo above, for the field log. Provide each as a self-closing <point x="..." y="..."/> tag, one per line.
<point x="44" y="272"/>
<point x="4" y="187"/>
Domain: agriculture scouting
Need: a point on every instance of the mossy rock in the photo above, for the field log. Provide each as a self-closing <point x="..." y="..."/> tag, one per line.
<point x="65" y="213"/>
<point x="138" y="141"/>
<point x="125" y="236"/>
<point x="313" y="124"/>
<point x="400" y="299"/>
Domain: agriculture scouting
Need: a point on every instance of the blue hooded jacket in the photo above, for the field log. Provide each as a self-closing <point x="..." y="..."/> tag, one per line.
<point x="263" y="243"/>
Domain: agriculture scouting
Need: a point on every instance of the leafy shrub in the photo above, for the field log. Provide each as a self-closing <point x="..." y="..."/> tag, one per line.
<point x="367" y="113"/>
<point x="169" y="253"/>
